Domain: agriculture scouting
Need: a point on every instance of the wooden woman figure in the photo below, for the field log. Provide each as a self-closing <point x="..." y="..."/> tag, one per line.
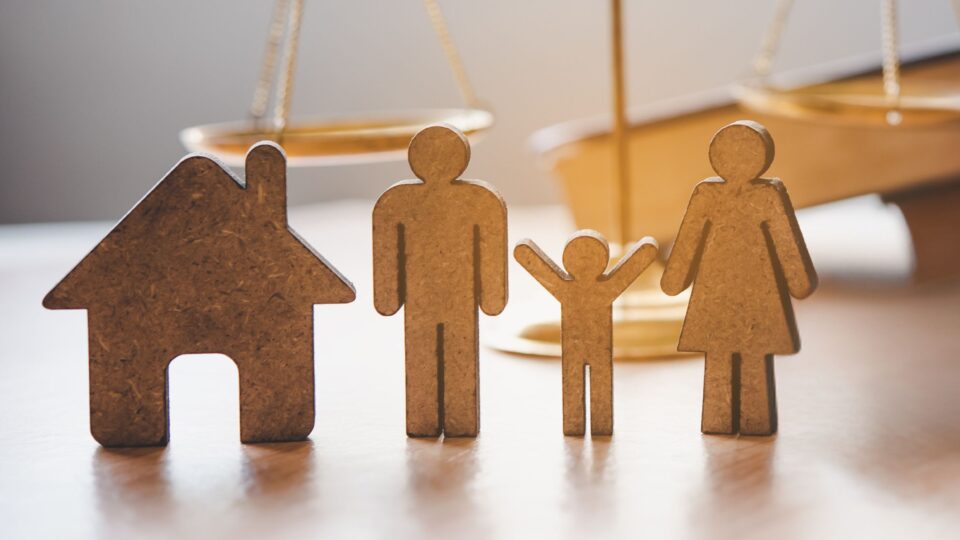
<point x="740" y="245"/>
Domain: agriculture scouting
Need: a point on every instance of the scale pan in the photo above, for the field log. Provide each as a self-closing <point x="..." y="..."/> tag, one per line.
<point x="857" y="101"/>
<point x="342" y="140"/>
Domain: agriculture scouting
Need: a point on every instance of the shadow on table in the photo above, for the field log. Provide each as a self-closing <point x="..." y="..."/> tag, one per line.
<point x="739" y="481"/>
<point x="591" y="493"/>
<point x="131" y="488"/>
<point x="143" y="481"/>
<point x="278" y="469"/>
<point x="130" y="475"/>
<point x="441" y="475"/>
<point x="737" y="464"/>
<point x="586" y="460"/>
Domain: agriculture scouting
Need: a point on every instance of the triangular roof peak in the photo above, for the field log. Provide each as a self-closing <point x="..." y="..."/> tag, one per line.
<point x="194" y="198"/>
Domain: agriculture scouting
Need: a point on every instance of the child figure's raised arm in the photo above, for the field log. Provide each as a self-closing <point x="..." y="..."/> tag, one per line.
<point x="788" y="242"/>
<point x="681" y="266"/>
<point x="539" y="265"/>
<point x="631" y="265"/>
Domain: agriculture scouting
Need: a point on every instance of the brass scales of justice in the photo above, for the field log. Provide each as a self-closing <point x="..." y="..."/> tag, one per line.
<point x="857" y="130"/>
<point x="377" y="136"/>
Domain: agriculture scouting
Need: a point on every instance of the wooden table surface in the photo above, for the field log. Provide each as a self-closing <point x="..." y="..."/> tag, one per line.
<point x="869" y="444"/>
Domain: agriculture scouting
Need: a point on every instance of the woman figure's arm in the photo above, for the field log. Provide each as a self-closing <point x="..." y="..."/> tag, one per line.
<point x="791" y="250"/>
<point x="685" y="255"/>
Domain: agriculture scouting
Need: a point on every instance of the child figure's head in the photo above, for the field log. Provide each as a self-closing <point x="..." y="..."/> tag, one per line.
<point x="741" y="151"/>
<point x="586" y="255"/>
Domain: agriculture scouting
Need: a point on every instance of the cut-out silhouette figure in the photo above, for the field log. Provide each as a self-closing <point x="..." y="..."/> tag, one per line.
<point x="440" y="250"/>
<point x="740" y="246"/>
<point x="205" y="263"/>
<point x="586" y="294"/>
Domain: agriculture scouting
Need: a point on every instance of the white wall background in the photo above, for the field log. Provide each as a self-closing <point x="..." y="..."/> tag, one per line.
<point x="94" y="92"/>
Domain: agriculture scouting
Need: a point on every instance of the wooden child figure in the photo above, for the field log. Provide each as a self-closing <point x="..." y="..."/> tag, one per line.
<point x="440" y="251"/>
<point x="586" y="294"/>
<point x="740" y="246"/>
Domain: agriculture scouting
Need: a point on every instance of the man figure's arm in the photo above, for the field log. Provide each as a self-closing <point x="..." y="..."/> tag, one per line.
<point x="388" y="256"/>
<point x="490" y="237"/>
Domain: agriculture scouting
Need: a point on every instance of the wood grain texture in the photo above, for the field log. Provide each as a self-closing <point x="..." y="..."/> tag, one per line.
<point x="586" y="292"/>
<point x="205" y="263"/>
<point x="740" y="246"/>
<point x="869" y="445"/>
<point x="440" y="251"/>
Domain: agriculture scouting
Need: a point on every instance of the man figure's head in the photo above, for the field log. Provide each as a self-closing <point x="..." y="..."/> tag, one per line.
<point x="438" y="154"/>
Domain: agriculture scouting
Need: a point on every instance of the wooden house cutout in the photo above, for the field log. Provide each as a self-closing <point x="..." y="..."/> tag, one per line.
<point x="204" y="263"/>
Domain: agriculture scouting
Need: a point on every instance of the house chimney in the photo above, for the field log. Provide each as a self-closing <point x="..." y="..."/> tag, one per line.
<point x="266" y="178"/>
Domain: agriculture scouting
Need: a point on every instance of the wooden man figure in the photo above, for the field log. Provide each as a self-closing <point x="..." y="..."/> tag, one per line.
<point x="740" y="246"/>
<point x="205" y="263"/>
<point x="586" y="294"/>
<point x="440" y="250"/>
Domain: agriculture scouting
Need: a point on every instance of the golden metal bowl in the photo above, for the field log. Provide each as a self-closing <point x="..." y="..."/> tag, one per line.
<point x="381" y="136"/>
<point x="858" y="101"/>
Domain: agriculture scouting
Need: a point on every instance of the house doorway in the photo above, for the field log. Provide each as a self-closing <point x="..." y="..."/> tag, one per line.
<point x="204" y="396"/>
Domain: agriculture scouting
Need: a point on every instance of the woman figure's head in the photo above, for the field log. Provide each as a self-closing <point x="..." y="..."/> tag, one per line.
<point x="741" y="151"/>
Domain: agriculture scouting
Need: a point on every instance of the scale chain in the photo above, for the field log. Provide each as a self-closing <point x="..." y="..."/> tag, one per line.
<point x="285" y="31"/>
<point x="451" y="53"/>
<point x="891" y="60"/>
<point x="261" y="95"/>
<point x="281" y="109"/>
<point x="763" y="61"/>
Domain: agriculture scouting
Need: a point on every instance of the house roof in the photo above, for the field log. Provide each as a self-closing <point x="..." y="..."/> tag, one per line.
<point x="205" y="231"/>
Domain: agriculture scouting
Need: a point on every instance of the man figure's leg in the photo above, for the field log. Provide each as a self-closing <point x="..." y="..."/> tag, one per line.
<point x="460" y="375"/>
<point x="424" y="400"/>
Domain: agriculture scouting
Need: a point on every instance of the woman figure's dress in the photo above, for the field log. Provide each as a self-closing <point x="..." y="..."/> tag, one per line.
<point x="740" y="300"/>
